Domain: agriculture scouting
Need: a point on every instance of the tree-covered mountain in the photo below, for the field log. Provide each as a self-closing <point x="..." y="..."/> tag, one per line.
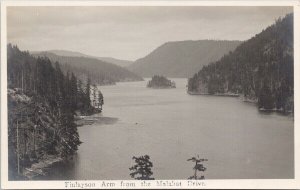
<point x="100" y="72"/>
<point x="67" y="53"/>
<point x="261" y="68"/>
<point x="42" y="102"/>
<point x="120" y="62"/>
<point x="181" y="58"/>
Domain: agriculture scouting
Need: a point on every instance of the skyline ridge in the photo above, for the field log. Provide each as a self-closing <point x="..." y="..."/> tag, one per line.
<point x="131" y="32"/>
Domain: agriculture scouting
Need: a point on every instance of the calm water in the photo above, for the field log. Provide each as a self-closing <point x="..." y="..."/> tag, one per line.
<point x="172" y="126"/>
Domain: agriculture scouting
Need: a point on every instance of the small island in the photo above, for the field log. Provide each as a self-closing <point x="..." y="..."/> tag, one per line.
<point x="160" y="82"/>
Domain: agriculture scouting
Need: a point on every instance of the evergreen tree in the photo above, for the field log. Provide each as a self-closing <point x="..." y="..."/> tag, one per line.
<point x="100" y="100"/>
<point x="94" y="95"/>
<point x="73" y="92"/>
<point x="87" y="97"/>
<point x="260" y="69"/>
<point x="47" y="106"/>
<point x="198" y="167"/>
<point x="142" y="169"/>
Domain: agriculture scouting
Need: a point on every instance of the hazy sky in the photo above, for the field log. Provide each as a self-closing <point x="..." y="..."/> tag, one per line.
<point x="131" y="32"/>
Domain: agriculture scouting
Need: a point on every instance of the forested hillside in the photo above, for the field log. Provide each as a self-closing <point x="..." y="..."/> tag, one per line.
<point x="160" y="82"/>
<point x="42" y="102"/>
<point x="100" y="72"/>
<point x="120" y="62"/>
<point x="66" y="53"/>
<point x="181" y="58"/>
<point x="261" y="69"/>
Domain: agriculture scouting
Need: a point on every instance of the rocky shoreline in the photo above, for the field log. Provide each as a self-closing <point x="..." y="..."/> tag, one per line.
<point x="42" y="167"/>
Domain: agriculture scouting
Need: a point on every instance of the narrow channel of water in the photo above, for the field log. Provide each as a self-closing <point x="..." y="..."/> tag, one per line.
<point x="172" y="126"/>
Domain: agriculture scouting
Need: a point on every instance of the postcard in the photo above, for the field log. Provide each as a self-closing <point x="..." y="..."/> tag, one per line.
<point x="150" y="94"/>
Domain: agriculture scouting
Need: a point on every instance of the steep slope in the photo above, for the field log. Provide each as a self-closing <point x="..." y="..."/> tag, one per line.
<point x="41" y="102"/>
<point x="262" y="69"/>
<point x="181" y="58"/>
<point x="100" y="72"/>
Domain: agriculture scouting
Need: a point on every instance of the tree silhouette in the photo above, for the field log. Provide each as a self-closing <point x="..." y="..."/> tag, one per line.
<point x="198" y="167"/>
<point x="142" y="169"/>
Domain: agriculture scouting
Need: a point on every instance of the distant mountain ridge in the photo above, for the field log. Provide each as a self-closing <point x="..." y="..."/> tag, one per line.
<point x="182" y="58"/>
<point x="120" y="62"/>
<point x="67" y="53"/>
<point x="100" y="72"/>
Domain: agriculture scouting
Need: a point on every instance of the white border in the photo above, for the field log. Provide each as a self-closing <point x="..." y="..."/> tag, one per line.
<point x="209" y="184"/>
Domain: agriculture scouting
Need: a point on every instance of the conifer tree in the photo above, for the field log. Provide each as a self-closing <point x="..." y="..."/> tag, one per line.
<point x="73" y="92"/>
<point x="142" y="169"/>
<point x="53" y="96"/>
<point x="100" y="100"/>
<point x="198" y="167"/>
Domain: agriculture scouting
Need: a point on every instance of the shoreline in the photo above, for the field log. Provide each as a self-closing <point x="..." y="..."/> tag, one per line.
<point x="161" y="87"/>
<point x="44" y="166"/>
<point x="281" y="111"/>
<point x="247" y="100"/>
<point x="41" y="168"/>
<point x="81" y="120"/>
<point x="84" y="121"/>
<point x="218" y="94"/>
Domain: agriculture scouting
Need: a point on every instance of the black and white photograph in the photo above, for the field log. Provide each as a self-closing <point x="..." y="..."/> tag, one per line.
<point x="155" y="95"/>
